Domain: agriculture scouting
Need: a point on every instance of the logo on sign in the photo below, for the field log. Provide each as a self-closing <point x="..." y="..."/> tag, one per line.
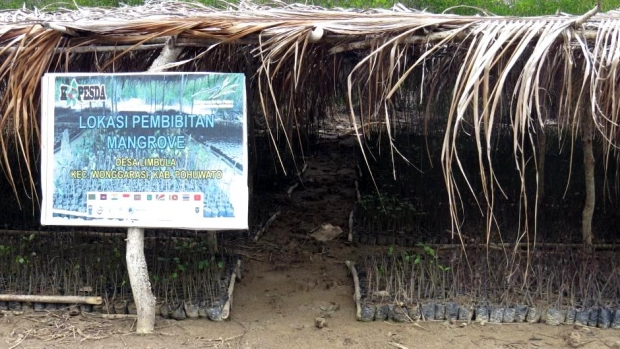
<point x="149" y="197"/>
<point x="197" y="197"/>
<point x="114" y="196"/>
<point x="185" y="197"/>
<point x="137" y="197"/>
<point x="174" y="197"/>
<point x="160" y="197"/>
<point x="126" y="196"/>
<point x="74" y="93"/>
<point x="92" y="196"/>
<point x="103" y="197"/>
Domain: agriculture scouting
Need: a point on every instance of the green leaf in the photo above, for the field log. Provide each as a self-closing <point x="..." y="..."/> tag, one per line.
<point x="203" y="264"/>
<point x="418" y="259"/>
<point x="429" y="250"/>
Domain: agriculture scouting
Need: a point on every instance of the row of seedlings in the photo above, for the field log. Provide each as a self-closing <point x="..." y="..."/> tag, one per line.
<point x="554" y="288"/>
<point x="182" y="270"/>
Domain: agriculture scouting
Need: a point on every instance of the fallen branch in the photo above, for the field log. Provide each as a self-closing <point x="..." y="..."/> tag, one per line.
<point x="22" y="337"/>
<point x="357" y="295"/>
<point x="397" y="345"/>
<point x="291" y="189"/>
<point x="351" y="226"/>
<point x="267" y="224"/>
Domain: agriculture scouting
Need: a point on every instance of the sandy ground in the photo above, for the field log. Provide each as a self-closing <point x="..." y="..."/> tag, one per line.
<point x="289" y="280"/>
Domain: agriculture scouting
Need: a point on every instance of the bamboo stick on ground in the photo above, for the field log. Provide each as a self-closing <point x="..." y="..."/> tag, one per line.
<point x="231" y="288"/>
<point x="116" y="316"/>
<point x="50" y="299"/>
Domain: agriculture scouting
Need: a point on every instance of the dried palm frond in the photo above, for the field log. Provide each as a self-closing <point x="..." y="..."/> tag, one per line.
<point x="491" y="74"/>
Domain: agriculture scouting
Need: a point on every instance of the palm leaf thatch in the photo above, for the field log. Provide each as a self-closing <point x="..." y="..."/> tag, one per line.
<point x="493" y="73"/>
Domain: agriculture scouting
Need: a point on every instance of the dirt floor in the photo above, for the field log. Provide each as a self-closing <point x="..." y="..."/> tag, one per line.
<point x="289" y="280"/>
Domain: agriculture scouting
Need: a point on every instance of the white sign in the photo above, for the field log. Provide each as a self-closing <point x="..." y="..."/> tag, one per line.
<point x="162" y="150"/>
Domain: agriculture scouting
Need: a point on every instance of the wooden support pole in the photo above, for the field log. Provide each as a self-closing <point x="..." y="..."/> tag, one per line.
<point x="542" y="157"/>
<point x="212" y="241"/>
<point x="139" y="280"/>
<point x="587" y="136"/>
<point x="50" y="299"/>
<point x="136" y="262"/>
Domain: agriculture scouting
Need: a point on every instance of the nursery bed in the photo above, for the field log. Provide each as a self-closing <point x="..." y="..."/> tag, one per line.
<point x="426" y="284"/>
<point x="188" y="278"/>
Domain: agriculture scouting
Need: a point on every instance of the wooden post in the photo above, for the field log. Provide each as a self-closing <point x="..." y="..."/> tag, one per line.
<point x="587" y="136"/>
<point x="212" y="236"/>
<point x="136" y="262"/>
<point x="139" y="280"/>
<point x="542" y="155"/>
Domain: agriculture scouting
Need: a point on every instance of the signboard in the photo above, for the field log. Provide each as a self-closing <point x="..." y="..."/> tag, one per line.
<point x="145" y="150"/>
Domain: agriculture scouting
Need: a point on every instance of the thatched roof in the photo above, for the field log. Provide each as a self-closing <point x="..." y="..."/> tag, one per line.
<point x="471" y="73"/>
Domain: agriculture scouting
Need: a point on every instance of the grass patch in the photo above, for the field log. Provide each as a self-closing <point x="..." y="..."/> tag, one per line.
<point x="464" y="7"/>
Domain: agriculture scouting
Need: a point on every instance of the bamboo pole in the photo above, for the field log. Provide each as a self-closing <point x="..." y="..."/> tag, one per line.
<point x="357" y="295"/>
<point x="231" y="289"/>
<point x="105" y="44"/>
<point x="50" y="299"/>
<point x="117" y="316"/>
